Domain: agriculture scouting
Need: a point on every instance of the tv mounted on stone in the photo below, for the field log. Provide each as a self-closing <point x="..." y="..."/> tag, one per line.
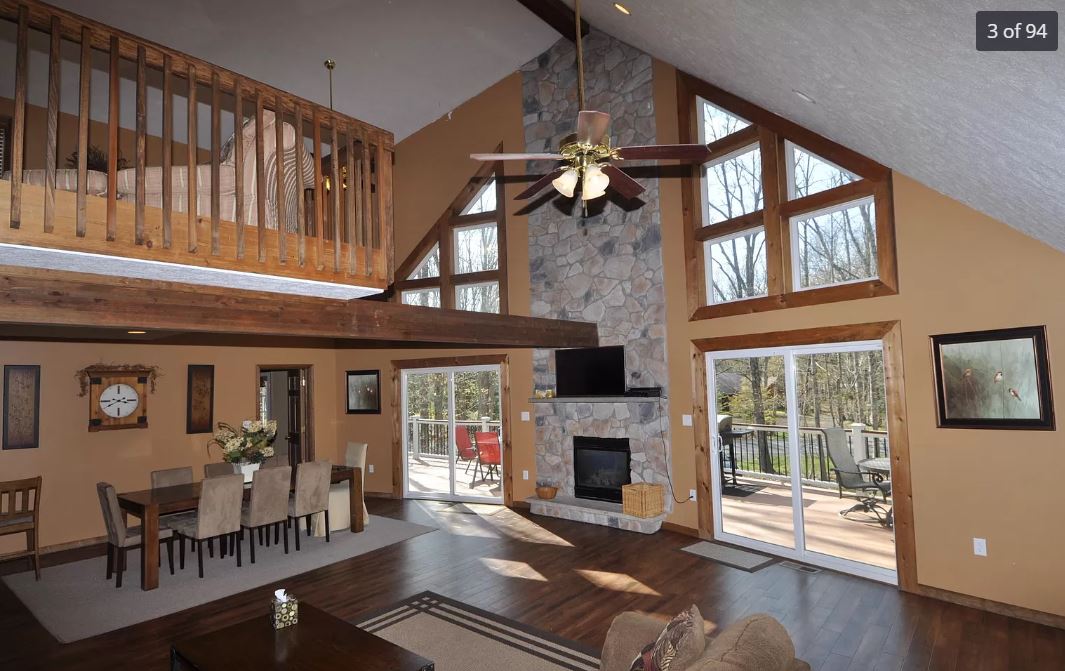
<point x="590" y="371"/>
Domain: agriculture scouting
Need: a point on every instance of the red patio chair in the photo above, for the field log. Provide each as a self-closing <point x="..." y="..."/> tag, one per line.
<point x="464" y="448"/>
<point x="489" y="454"/>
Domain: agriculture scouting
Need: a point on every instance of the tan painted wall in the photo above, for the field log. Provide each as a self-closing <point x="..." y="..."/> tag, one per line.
<point x="432" y="166"/>
<point x="72" y="460"/>
<point x="958" y="271"/>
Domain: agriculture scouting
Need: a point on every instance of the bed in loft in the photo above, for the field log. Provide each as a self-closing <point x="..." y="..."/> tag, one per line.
<point x="335" y="172"/>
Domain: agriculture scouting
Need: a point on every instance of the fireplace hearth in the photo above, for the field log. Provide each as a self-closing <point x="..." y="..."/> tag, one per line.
<point x="601" y="466"/>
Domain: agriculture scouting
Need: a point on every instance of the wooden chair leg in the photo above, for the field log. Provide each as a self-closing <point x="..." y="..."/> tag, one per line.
<point x="199" y="553"/>
<point x="326" y="525"/>
<point x="170" y="553"/>
<point x="181" y="552"/>
<point x="296" y="532"/>
<point x="110" y="561"/>
<point x="251" y="546"/>
<point x="284" y="532"/>
<point x="259" y="531"/>
<point x="33" y="544"/>
<point x="210" y="548"/>
<point x="121" y="566"/>
<point x="237" y="544"/>
<point x="222" y="540"/>
<point x="309" y="526"/>
<point x="276" y="533"/>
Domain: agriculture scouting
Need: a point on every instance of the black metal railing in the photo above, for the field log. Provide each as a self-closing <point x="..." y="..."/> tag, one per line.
<point x="765" y="450"/>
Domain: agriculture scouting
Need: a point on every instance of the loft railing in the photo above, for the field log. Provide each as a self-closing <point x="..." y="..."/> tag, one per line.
<point x="254" y="212"/>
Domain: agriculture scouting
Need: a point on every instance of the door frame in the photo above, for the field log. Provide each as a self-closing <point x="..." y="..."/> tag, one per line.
<point x="890" y="335"/>
<point x="306" y="370"/>
<point x="398" y="457"/>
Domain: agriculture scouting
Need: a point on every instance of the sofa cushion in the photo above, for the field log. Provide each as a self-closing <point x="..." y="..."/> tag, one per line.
<point x="677" y="647"/>
<point x="755" y="643"/>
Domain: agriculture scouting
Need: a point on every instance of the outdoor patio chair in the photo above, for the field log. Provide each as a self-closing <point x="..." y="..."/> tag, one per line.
<point x="488" y="455"/>
<point x="465" y="450"/>
<point x="849" y="477"/>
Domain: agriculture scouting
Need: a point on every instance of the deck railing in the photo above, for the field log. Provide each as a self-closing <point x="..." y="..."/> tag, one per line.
<point x="429" y="437"/>
<point x="340" y="229"/>
<point x="764" y="451"/>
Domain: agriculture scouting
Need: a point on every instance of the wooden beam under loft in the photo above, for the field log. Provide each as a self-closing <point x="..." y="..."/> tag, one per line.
<point x="556" y="14"/>
<point x="32" y="298"/>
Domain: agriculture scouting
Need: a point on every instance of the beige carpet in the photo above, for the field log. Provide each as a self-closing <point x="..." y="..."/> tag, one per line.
<point x="458" y="637"/>
<point x="75" y="601"/>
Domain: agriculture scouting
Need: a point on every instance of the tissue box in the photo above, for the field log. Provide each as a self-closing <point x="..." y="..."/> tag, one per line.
<point x="284" y="613"/>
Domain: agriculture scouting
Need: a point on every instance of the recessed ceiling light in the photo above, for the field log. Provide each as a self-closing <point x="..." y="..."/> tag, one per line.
<point x="136" y="332"/>
<point x="804" y="96"/>
<point x="622" y="8"/>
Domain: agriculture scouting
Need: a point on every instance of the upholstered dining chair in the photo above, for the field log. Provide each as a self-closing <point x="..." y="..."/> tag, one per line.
<point x="311" y="496"/>
<point x="170" y="477"/>
<point x="279" y="459"/>
<point x="216" y="516"/>
<point x="268" y="506"/>
<point x="20" y="508"/>
<point x="223" y="468"/>
<point x="121" y="538"/>
<point x="355" y="456"/>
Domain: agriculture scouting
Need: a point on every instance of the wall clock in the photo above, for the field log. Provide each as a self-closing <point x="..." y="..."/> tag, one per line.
<point x="118" y="399"/>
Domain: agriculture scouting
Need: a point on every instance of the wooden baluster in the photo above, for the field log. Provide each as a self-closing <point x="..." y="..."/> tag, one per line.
<point x="301" y="219"/>
<point x="384" y="209"/>
<point x="216" y="178"/>
<point x="142" y="143"/>
<point x="168" y="150"/>
<point x="319" y="192"/>
<point x="18" y="132"/>
<point x="355" y="181"/>
<point x="367" y="208"/>
<point x="279" y="171"/>
<point x="349" y="200"/>
<point x="334" y="170"/>
<point x="260" y="177"/>
<point x="238" y="163"/>
<point x="53" y="127"/>
<point x="113" y="120"/>
<point x="83" y="130"/>
<point x="191" y="157"/>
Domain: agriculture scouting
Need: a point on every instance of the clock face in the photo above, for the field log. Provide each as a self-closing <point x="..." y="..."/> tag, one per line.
<point x="119" y="400"/>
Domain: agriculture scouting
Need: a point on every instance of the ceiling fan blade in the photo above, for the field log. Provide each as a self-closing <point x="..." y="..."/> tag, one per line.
<point x="622" y="183"/>
<point x="592" y="127"/>
<point x="683" y="152"/>
<point x="539" y="185"/>
<point x="516" y="157"/>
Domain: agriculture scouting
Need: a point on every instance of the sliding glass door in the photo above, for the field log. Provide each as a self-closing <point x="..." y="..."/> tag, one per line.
<point x="800" y="456"/>
<point x="452" y="435"/>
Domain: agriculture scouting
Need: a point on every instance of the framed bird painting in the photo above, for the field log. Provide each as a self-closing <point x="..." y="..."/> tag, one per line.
<point x="993" y="379"/>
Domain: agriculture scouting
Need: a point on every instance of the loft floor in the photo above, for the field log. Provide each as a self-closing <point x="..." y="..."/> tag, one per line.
<point x="572" y="578"/>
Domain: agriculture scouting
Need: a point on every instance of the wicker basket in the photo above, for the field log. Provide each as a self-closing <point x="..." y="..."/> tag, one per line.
<point x="642" y="499"/>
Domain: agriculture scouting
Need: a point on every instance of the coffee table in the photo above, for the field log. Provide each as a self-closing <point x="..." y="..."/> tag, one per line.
<point x="318" y="641"/>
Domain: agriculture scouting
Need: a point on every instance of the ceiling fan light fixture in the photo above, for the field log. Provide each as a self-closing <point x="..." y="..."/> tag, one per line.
<point x="566" y="182"/>
<point x="595" y="182"/>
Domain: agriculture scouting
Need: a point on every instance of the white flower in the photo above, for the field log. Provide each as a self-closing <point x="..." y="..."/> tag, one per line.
<point x="247" y="424"/>
<point x="268" y="451"/>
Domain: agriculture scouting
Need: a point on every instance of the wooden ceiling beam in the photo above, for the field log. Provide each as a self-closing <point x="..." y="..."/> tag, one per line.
<point x="31" y="297"/>
<point x="556" y="14"/>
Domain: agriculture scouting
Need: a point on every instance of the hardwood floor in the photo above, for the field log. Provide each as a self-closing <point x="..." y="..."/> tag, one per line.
<point x="571" y="579"/>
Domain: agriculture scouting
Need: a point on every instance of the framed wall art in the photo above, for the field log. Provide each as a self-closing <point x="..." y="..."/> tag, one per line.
<point x="22" y="407"/>
<point x="364" y="392"/>
<point x="993" y="379"/>
<point x="199" y="414"/>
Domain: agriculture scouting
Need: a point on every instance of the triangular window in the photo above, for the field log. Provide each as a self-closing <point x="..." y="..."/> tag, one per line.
<point x="484" y="201"/>
<point x="717" y="123"/>
<point x="808" y="173"/>
<point x="429" y="267"/>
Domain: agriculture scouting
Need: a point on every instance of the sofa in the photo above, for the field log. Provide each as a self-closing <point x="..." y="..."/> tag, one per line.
<point x="755" y="643"/>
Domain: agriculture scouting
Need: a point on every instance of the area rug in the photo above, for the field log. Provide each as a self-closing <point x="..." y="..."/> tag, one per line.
<point x="458" y="637"/>
<point x="75" y="601"/>
<point x="730" y="556"/>
<point x="741" y="491"/>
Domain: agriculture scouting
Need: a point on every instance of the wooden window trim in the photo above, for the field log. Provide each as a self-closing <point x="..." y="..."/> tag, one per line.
<point x="770" y="132"/>
<point x="442" y="234"/>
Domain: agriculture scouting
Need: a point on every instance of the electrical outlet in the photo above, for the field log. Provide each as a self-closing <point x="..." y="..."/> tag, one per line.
<point x="691" y="494"/>
<point x="525" y="475"/>
<point x="686" y="420"/>
<point x="370" y="467"/>
<point x="980" y="547"/>
<point x="525" y="417"/>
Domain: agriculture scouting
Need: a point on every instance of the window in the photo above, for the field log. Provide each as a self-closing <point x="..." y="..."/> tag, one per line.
<point x="481" y="297"/>
<point x="476" y="249"/>
<point x="428" y="298"/>
<point x="808" y="173"/>
<point x="717" y="123"/>
<point x="429" y="267"/>
<point x="736" y="266"/>
<point x="733" y="185"/>
<point x="484" y="201"/>
<point x="835" y="246"/>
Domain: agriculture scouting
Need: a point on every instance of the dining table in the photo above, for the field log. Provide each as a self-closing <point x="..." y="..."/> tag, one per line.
<point x="149" y="504"/>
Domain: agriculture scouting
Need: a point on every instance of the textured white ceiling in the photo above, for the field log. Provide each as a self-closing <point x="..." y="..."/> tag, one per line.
<point x="897" y="80"/>
<point x="401" y="64"/>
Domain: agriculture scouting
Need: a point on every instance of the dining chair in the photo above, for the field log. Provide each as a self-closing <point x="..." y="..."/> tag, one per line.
<point x="170" y="477"/>
<point x="217" y="516"/>
<point x="20" y="508"/>
<point x="121" y="538"/>
<point x="268" y="506"/>
<point x="223" y="468"/>
<point x="355" y="456"/>
<point x="489" y="454"/>
<point x="279" y="460"/>
<point x="311" y="496"/>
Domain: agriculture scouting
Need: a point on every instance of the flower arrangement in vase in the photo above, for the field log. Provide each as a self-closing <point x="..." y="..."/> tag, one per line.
<point x="249" y="446"/>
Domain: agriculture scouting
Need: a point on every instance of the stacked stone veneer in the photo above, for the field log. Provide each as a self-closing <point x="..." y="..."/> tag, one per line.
<point x="605" y="268"/>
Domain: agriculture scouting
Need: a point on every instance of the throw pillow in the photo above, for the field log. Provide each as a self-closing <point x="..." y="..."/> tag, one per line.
<point x="677" y="647"/>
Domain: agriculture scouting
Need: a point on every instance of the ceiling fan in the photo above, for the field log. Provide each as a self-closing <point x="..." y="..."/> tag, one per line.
<point x="587" y="155"/>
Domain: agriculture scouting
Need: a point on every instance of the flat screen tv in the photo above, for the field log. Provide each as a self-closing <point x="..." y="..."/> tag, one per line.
<point x="591" y="371"/>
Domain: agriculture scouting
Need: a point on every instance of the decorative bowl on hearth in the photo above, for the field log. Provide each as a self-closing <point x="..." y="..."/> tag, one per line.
<point x="546" y="492"/>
